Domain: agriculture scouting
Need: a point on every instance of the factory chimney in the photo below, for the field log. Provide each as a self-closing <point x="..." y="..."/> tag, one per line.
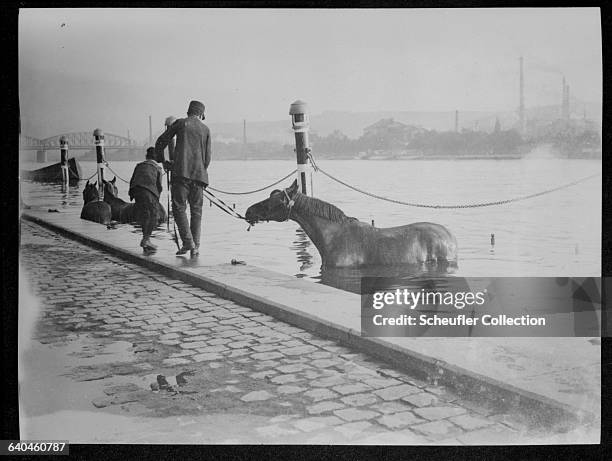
<point x="563" y="92"/>
<point x="522" y="99"/>
<point x="565" y="103"/>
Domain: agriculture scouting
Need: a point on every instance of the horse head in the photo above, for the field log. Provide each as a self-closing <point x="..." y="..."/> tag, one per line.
<point x="90" y="192"/>
<point x="277" y="207"/>
<point x="110" y="189"/>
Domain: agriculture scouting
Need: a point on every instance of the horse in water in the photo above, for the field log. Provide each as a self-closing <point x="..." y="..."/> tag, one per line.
<point x="95" y="209"/>
<point x="123" y="211"/>
<point x="347" y="242"/>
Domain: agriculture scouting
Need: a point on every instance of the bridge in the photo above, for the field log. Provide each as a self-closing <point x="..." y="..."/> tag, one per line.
<point x="83" y="140"/>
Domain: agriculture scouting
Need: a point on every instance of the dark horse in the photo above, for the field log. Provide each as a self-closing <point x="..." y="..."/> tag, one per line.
<point x="347" y="242"/>
<point x="95" y="209"/>
<point x="123" y="211"/>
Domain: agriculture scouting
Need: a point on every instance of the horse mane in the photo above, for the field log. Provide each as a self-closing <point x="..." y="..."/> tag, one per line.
<point x="318" y="207"/>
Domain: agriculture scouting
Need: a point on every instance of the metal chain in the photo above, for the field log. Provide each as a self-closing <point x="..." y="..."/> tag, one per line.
<point x="252" y="191"/>
<point x="95" y="173"/>
<point x="470" y="205"/>
<point x="113" y="171"/>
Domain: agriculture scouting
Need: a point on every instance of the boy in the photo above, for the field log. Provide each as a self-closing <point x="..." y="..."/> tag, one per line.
<point x="145" y="187"/>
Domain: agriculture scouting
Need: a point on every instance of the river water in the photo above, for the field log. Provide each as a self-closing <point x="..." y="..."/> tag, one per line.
<point x="556" y="234"/>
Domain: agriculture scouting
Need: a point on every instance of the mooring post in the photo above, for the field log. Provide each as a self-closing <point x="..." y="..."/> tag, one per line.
<point x="300" y="122"/>
<point x="99" y="143"/>
<point x="64" y="158"/>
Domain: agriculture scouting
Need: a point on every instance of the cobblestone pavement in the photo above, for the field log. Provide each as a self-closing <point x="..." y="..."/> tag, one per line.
<point x="223" y="358"/>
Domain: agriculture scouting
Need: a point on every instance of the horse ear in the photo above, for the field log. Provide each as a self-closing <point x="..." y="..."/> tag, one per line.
<point x="294" y="186"/>
<point x="114" y="180"/>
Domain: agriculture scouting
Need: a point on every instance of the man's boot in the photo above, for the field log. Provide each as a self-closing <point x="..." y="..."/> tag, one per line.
<point x="184" y="250"/>
<point x="185" y="233"/>
<point x="147" y="245"/>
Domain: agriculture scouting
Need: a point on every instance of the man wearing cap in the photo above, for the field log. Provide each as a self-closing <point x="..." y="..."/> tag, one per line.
<point x="188" y="163"/>
<point x="145" y="187"/>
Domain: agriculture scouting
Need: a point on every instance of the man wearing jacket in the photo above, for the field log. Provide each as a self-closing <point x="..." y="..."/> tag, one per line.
<point x="145" y="187"/>
<point x="188" y="163"/>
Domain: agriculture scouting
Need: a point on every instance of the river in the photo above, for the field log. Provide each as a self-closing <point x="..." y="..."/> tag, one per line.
<point x="550" y="235"/>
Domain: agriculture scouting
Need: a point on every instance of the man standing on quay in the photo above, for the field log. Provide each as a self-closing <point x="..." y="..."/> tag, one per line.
<point x="188" y="163"/>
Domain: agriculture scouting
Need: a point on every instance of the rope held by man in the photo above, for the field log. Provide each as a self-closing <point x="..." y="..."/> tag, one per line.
<point x="221" y="204"/>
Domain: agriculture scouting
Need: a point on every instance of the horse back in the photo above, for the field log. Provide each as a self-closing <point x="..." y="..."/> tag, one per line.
<point x="418" y="242"/>
<point x="97" y="211"/>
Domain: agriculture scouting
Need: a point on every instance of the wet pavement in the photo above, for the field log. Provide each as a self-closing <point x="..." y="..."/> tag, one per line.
<point x="121" y="354"/>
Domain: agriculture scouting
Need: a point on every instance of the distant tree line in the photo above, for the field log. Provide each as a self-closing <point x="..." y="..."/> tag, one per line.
<point x="502" y="142"/>
<point x="568" y="137"/>
<point x="387" y="135"/>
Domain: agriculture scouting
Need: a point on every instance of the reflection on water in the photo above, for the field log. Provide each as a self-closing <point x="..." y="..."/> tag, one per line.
<point x="67" y="196"/>
<point x="300" y="246"/>
<point x="407" y="276"/>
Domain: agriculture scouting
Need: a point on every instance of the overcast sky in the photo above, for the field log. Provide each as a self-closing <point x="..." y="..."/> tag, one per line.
<point x="82" y="68"/>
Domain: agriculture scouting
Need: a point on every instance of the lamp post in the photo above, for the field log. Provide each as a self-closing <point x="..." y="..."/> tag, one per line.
<point x="99" y="143"/>
<point x="301" y="123"/>
<point x="64" y="158"/>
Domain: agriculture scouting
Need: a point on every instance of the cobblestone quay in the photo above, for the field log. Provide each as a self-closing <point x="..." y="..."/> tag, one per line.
<point x="207" y="370"/>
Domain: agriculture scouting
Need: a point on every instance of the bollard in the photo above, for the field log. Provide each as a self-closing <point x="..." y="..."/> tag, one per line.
<point x="64" y="158"/>
<point x="300" y="123"/>
<point x="99" y="143"/>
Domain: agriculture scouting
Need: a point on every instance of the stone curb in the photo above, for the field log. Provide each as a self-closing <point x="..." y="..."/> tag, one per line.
<point x="467" y="383"/>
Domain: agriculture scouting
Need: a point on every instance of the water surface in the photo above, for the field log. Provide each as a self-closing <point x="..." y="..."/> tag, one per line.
<point x="551" y="235"/>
